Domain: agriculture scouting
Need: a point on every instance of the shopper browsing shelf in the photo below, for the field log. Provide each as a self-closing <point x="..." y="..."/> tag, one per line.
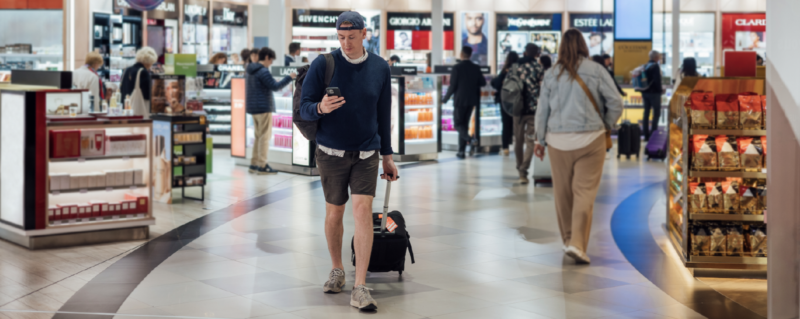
<point x="531" y="74"/>
<point x="497" y="84"/>
<point x="139" y="90"/>
<point x="245" y="54"/>
<point x="466" y="81"/>
<point x="294" y="52"/>
<point x="86" y="78"/>
<point x="219" y="58"/>
<point x="573" y="126"/>
<point x="353" y="128"/>
<point x="260" y="105"/>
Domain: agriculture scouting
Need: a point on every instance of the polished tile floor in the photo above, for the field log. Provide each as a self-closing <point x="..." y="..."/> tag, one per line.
<point x="485" y="247"/>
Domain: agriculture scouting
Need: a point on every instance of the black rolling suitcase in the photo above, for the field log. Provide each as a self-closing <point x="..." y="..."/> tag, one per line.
<point x="390" y="242"/>
<point x="629" y="140"/>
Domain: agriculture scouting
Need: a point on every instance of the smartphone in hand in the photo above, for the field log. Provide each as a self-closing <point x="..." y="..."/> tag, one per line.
<point x="333" y="91"/>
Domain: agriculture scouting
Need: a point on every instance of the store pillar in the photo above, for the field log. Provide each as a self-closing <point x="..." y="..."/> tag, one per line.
<point x="277" y="28"/>
<point x="437" y="32"/>
<point x="676" y="38"/>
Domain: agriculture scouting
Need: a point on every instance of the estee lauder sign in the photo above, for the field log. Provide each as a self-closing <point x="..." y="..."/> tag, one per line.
<point x="416" y="21"/>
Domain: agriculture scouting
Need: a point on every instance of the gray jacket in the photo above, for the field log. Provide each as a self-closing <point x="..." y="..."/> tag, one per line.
<point x="564" y="107"/>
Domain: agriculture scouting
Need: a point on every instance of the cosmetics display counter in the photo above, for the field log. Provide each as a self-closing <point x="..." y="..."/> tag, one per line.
<point x="485" y="118"/>
<point x="418" y="114"/>
<point x="180" y="155"/>
<point x="218" y="90"/>
<point x="717" y="173"/>
<point x="116" y="38"/>
<point x="78" y="180"/>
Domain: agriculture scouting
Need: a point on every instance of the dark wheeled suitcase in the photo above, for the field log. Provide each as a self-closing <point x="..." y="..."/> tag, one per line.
<point x="657" y="146"/>
<point x="629" y="141"/>
<point x="388" y="247"/>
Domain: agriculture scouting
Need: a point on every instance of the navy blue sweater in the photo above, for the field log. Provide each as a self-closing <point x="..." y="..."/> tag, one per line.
<point x="260" y="87"/>
<point x="363" y="123"/>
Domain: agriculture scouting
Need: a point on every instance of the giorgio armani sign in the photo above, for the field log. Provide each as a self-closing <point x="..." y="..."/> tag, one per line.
<point x="415" y="21"/>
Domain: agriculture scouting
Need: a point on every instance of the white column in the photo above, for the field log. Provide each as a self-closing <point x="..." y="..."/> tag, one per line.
<point x="437" y="32"/>
<point x="277" y="28"/>
<point x="676" y="38"/>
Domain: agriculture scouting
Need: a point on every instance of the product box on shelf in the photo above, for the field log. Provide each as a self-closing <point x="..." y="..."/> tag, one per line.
<point x="51" y="212"/>
<point x="59" y="181"/>
<point x="93" y="142"/>
<point x="84" y="210"/>
<point x="68" y="211"/>
<point x="65" y="143"/>
<point x="98" y="207"/>
<point x="141" y="202"/>
<point x="126" y="145"/>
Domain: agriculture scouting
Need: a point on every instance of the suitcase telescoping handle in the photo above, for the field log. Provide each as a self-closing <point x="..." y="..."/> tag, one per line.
<point x="386" y="204"/>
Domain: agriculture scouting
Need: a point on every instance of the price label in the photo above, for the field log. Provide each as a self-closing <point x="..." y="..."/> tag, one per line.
<point x="55" y="193"/>
<point x="125" y="158"/>
<point x="108" y="189"/>
<point x="133" y="186"/>
<point x="84" y="190"/>
<point x="81" y="160"/>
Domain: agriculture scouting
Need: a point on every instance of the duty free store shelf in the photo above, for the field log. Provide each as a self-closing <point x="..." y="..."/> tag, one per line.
<point x="729" y="132"/>
<point x="723" y="174"/>
<point x="728" y="217"/>
<point x="96" y="189"/>
<point x="82" y="159"/>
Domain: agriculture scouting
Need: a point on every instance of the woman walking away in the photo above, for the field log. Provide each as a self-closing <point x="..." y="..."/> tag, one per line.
<point x="497" y="84"/>
<point x="569" y="122"/>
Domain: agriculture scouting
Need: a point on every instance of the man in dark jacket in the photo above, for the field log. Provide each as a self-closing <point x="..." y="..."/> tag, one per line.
<point x="531" y="73"/>
<point x="652" y="94"/>
<point x="466" y="82"/>
<point x="260" y="105"/>
<point x="294" y="51"/>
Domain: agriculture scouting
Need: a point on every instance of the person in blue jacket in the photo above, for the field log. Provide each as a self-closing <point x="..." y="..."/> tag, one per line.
<point x="354" y="131"/>
<point x="260" y="104"/>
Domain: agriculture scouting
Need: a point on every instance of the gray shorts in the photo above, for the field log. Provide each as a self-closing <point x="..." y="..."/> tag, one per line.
<point x="339" y="173"/>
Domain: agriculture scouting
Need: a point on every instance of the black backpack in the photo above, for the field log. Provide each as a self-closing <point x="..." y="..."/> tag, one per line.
<point x="308" y="128"/>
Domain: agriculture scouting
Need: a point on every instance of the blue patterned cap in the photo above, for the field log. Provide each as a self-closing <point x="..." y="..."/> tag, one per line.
<point x="353" y="17"/>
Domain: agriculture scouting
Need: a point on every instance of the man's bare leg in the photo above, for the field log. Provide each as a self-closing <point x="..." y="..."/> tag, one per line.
<point x="362" y="213"/>
<point x="334" y="230"/>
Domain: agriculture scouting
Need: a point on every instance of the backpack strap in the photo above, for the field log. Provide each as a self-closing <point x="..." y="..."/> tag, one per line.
<point x="330" y="65"/>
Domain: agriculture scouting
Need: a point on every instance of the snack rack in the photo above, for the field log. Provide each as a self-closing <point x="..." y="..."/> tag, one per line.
<point x="680" y="173"/>
<point x="416" y="124"/>
<point x="179" y="159"/>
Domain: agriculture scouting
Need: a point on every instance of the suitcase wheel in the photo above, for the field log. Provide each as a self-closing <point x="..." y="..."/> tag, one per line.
<point x="401" y="273"/>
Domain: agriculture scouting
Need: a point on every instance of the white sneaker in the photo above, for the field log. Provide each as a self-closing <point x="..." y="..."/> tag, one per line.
<point x="361" y="299"/>
<point x="579" y="256"/>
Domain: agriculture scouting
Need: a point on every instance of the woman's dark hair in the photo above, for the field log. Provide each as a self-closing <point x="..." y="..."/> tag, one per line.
<point x="394" y="58"/>
<point x="599" y="59"/>
<point x="265" y="53"/>
<point x="546" y="62"/>
<point x="245" y="55"/>
<point x="532" y="50"/>
<point x="689" y="67"/>
<point x="511" y="58"/>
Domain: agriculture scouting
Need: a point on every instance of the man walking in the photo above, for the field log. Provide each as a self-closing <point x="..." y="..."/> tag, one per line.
<point x="353" y="129"/>
<point x="260" y="105"/>
<point x="466" y="81"/>
<point x="531" y="72"/>
<point x="652" y="94"/>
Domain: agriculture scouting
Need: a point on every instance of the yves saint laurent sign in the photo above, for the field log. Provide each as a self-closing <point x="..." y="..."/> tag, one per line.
<point x="315" y="18"/>
<point x="229" y="14"/>
<point x="416" y="21"/>
<point x="528" y="22"/>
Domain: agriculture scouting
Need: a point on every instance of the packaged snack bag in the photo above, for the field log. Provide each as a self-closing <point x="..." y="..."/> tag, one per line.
<point x="730" y="190"/>
<point x="764" y="146"/>
<point x="697" y="198"/>
<point x="757" y="240"/>
<point x="715" y="198"/>
<point x="702" y="109"/>
<point x="748" y="203"/>
<point x="764" y="110"/>
<point x="727" y="106"/>
<point x="751" y="112"/>
<point x="734" y="240"/>
<point x="704" y="155"/>
<point x="751" y="153"/>
<point x="717" y="245"/>
<point x="700" y="239"/>
<point x="761" y="195"/>
<point x="727" y="153"/>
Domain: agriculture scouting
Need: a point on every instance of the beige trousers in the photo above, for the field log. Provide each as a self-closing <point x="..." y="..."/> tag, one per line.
<point x="523" y="142"/>
<point x="263" y="131"/>
<point x="576" y="177"/>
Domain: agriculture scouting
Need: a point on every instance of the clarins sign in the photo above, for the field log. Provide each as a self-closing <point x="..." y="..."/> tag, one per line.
<point x="751" y="22"/>
<point x="416" y="21"/>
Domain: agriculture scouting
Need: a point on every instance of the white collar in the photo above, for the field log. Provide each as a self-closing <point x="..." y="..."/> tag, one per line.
<point x="356" y="61"/>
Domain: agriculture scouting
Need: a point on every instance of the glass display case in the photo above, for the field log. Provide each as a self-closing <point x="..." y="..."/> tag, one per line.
<point x="217" y="97"/>
<point x="485" y="123"/>
<point x="195" y="29"/>
<point x="229" y="30"/>
<point x="36" y="42"/>
<point x="696" y="40"/>
<point x="417" y="114"/>
<point x="124" y="40"/>
<point x="716" y="196"/>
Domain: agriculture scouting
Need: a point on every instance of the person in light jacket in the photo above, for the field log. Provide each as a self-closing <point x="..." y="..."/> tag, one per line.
<point x="568" y="124"/>
<point x="86" y="78"/>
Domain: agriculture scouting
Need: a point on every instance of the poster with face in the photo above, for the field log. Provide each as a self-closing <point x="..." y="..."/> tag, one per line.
<point x="474" y="34"/>
<point x="372" y="22"/>
<point x="548" y="41"/>
<point x="168" y="91"/>
<point x="402" y="40"/>
<point x="751" y="41"/>
<point x="597" y="30"/>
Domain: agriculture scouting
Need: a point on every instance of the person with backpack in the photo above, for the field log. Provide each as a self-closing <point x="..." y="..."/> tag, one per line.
<point x="507" y="119"/>
<point x="571" y="124"/>
<point x="466" y="81"/>
<point x="651" y="93"/>
<point x="260" y="104"/>
<point x="352" y="129"/>
<point x="531" y="73"/>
